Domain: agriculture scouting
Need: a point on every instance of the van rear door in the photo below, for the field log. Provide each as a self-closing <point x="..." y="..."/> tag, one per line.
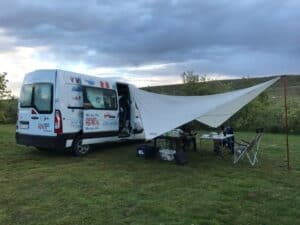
<point x="36" y="114"/>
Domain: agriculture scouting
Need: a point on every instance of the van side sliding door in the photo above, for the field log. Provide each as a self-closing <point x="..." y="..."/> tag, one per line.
<point x="100" y="113"/>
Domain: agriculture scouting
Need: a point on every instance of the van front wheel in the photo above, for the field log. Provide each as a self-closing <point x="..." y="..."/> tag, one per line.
<point x="78" y="149"/>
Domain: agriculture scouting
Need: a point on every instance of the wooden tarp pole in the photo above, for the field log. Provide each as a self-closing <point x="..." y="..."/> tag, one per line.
<point x="286" y="121"/>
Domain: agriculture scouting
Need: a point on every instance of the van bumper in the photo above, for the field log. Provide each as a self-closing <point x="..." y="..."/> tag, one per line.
<point x="49" y="142"/>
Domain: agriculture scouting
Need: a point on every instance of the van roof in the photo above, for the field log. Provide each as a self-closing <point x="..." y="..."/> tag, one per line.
<point x="60" y="71"/>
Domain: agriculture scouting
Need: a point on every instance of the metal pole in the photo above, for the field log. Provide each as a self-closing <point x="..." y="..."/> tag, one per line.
<point x="286" y="121"/>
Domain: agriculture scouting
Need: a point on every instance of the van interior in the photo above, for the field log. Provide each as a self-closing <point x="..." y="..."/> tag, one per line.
<point x="124" y="110"/>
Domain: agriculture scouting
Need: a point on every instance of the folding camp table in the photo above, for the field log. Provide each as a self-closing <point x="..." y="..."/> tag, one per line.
<point x="217" y="138"/>
<point x="181" y="142"/>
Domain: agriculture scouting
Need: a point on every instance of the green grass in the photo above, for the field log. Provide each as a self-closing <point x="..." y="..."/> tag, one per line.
<point x="112" y="186"/>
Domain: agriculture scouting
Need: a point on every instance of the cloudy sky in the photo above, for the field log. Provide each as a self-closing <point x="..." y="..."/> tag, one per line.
<point x="150" y="42"/>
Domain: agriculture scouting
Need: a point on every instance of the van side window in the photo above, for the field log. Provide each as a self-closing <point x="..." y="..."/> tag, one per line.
<point x="38" y="96"/>
<point x="100" y="98"/>
<point x="26" y="95"/>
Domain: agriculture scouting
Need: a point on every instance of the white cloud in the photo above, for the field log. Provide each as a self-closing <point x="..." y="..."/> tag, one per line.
<point x="148" y="67"/>
<point x="19" y="61"/>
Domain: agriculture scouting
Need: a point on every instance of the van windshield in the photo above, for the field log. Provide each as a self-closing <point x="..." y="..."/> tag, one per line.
<point x="38" y="96"/>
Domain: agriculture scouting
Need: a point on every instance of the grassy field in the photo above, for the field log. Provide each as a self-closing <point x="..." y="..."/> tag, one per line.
<point x="112" y="186"/>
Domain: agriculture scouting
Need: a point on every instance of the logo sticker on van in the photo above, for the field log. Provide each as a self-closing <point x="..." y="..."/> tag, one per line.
<point x="104" y="85"/>
<point x="89" y="82"/>
<point x="76" y="98"/>
<point x="75" y="80"/>
<point x="77" y="89"/>
<point x="77" y="124"/>
<point x="44" y="126"/>
<point x="44" y="118"/>
<point x="91" y="121"/>
<point x="109" y="116"/>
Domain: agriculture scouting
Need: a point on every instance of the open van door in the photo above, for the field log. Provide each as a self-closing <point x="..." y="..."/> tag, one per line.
<point x="125" y="115"/>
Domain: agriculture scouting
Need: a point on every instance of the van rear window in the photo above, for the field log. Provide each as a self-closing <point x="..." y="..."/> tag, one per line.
<point x="38" y="96"/>
<point x="26" y="95"/>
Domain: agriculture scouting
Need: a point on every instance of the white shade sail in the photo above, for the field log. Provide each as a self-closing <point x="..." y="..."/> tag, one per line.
<point x="162" y="113"/>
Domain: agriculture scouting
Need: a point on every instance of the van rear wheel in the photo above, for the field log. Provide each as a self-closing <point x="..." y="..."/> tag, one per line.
<point x="78" y="149"/>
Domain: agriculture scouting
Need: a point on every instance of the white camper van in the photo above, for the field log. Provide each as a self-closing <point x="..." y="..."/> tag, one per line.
<point x="59" y="109"/>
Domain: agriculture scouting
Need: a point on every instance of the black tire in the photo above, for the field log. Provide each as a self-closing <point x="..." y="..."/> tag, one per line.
<point x="78" y="149"/>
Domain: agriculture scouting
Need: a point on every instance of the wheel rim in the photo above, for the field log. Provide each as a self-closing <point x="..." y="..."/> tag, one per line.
<point x="82" y="149"/>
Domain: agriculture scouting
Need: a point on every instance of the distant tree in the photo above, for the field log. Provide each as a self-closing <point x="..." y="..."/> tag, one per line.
<point x="246" y="77"/>
<point x="204" y="78"/>
<point x="189" y="77"/>
<point x="4" y="93"/>
<point x="8" y="109"/>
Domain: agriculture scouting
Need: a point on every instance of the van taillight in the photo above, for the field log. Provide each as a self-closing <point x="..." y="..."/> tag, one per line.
<point x="58" y="122"/>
